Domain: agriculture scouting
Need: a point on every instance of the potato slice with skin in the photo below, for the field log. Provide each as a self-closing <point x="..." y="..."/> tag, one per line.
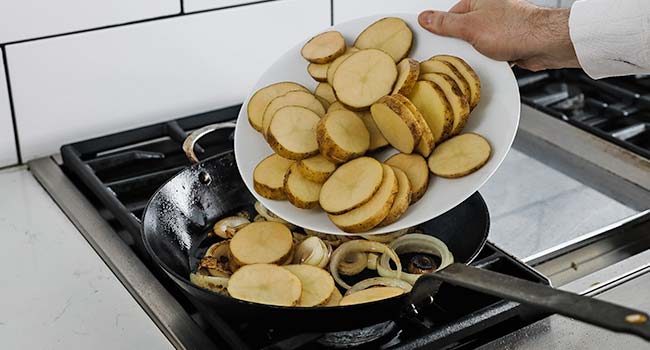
<point x="460" y="155"/>
<point x="416" y="169"/>
<point x="263" y="242"/>
<point x="291" y="98"/>
<point x="317" y="284"/>
<point x="396" y="123"/>
<point x="431" y="101"/>
<point x="317" y="168"/>
<point x="265" y="284"/>
<point x="292" y="133"/>
<point x="261" y="99"/>
<point x="268" y="177"/>
<point x="342" y="136"/>
<point x="324" y="47"/>
<point x="371" y="294"/>
<point x="458" y="102"/>
<point x="374" y="211"/>
<point x="402" y="198"/>
<point x="336" y="63"/>
<point x="324" y="92"/>
<point x="391" y="35"/>
<point x="377" y="140"/>
<point x="318" y="71"/>
<point x="427" y="142"/>
<point x="448" y="69"/>
<point x="363" y="78"/>
<point x="336" y="106"/>
<point x="468" y="73"/>
<point x="408" y="72"/>
<point x="351" y="185"/>
<point x="334" y="299"/>
<point x="301" y="192"/>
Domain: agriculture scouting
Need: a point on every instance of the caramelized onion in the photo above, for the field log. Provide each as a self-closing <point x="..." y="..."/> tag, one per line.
<point x="415" y="243"/>
<point x="227" y="227"/>
<point x="360" y="246"/>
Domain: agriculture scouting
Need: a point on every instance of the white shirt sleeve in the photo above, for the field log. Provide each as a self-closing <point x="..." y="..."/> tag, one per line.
<point x="611" y="37"/>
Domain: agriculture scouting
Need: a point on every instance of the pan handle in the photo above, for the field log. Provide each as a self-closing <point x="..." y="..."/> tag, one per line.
<point x="590" y="310"/>
<point x="190" y="141"/>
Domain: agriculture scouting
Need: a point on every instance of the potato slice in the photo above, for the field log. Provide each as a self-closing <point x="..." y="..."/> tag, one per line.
<point x="265" y="284"/>
<point x="373" y="212"/>
<point x="268" y="177"/>
<point x="263" y="242"/>
<point x="363" y="78"/>
<point x="351" y="185"/>
<point x="334" y="299"/>
<point x="402" y="198"/>
<point x="460" y="155"/>
<point x="317" y="284"/>
<point x="458" y="102"/>
<point x="377" y="140"/>
<point x="261" y="99"/>
<point x="427" y="141"/>
<point x="291" y="98"/>
<point x="468" y="73"/>
<point x="324" y="47"/>
<point x="342" y="136"/>
<point x="371" y="294"/>
<point x="336" y="106"/>
<point x="317" y="168"/>
<point x="318" y="71"/>
<point x="391" y="35"/>
<point x="396" y="123"/>
<point x="408" y="72"/>
<point x="301" y="192"/>
<point x="448" y="69"/>
<point x="325" y="94"/>
<point x="430" y="100"/>
<point x="415" y="167"/>
<point x="292" y="133"/>
<point x="336" y="63"/>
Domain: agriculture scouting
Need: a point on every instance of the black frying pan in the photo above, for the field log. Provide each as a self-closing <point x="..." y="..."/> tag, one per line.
<point x="179" y="215"/>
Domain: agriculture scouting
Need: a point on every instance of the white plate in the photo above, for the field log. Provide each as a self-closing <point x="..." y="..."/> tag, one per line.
<point x="496" y="118"/>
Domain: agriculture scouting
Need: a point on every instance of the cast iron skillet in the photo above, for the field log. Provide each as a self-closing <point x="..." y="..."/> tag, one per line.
<point x="179" y="215"/>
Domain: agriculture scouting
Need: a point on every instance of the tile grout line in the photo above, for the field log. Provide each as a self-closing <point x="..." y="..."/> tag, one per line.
<point x="12" y="110"/>
<point x="332" y="12"/>
<point x="182" y="6"/>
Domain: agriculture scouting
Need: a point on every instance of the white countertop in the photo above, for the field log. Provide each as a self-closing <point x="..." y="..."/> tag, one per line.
<point x="56" y="292"/>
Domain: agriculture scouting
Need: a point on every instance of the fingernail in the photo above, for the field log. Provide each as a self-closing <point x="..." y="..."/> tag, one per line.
<point x="426" y="17"/>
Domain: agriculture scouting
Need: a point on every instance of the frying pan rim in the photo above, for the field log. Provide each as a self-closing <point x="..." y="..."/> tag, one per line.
<point x="206" y="293"/>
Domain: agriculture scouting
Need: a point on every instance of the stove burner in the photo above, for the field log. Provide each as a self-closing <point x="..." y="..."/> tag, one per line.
<point x="368" y="336"/>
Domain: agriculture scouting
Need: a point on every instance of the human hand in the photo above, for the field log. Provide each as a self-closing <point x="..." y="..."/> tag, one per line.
<point x="529" y="36"/>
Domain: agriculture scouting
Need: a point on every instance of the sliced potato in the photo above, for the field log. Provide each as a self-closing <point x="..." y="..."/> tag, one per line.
<point x="292" y="133"/>
<point x="301" y="192"/>
<point x="324" y="47"/>
<point x="364" y="77"/>
<point x="336" y="63"/>
<point x="318" y="71"/>
<point x="430" y="100"/>
<point x="258" y="102"/>
<point x="374" y="211"/>
<point x="371" y="294"/>
<point x="336" y="106"/>
<point x="265" y="284"/>
<point x="408" y="72"/>
<point x="351" y="185"/>
<point x="317" y="168"/>
<point x="415" y="167"/>
<point x="468" y="73"/>
<point x="377" y="139"/>
<point x="427" y="141"/>
<point x="317" y="284"/>
<point x="325" y="94"/>
<point x="268" y="177"/>
<point x="291" y="98"/>
<point x="448" y="69"/>
<point x="391" y="35"/>
<point x="458" y="102"/>
<point x="263" y="242"/>
<point x="396" y="123"/>
<point x="402" y="198"/>
<point x="334" y="299"/>
<point x="460" y="155"/>
<point x="342" y="136"/>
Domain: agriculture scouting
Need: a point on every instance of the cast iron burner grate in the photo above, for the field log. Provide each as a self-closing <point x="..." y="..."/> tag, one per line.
<point x="118" y="173"/>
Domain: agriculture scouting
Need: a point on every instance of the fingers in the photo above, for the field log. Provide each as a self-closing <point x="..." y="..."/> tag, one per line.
<point x="444" y="23"/>
<point x="462" y="6"/>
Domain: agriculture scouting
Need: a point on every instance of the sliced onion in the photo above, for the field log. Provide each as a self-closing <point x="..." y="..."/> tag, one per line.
<point x="360" y="246"/>
<point x="353" y="264"/>
<point x="298" y="237"/>
<point x="333" y="240"/>
<point x="379" y="281"/>
<point x="312" y="251"/>
<point x="372" y="261"/>
<point x="386" y="237"/>
<point x="269" y="216"/>
<point x="415" y="243"/>
<point x="218" y="285"/>
<point x="220" y="252"/>
<point x="227" y="227"/>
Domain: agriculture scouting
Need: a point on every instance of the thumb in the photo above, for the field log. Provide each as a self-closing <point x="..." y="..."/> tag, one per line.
<point x="443" y="23"/>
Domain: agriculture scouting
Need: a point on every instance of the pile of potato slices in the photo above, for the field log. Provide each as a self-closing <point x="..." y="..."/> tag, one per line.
<point x="269" y="261"/>
<point x="369" y="96"/>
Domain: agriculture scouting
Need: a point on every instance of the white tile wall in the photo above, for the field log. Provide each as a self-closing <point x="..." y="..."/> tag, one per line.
<point x="79" y="86"/>
<point x="7" y="144"/>
<point x="198" y="5"/>
<point x="23" y="19"/>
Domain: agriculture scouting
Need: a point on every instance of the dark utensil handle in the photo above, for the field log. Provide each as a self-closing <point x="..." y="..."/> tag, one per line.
<point x="590" y="310"/>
